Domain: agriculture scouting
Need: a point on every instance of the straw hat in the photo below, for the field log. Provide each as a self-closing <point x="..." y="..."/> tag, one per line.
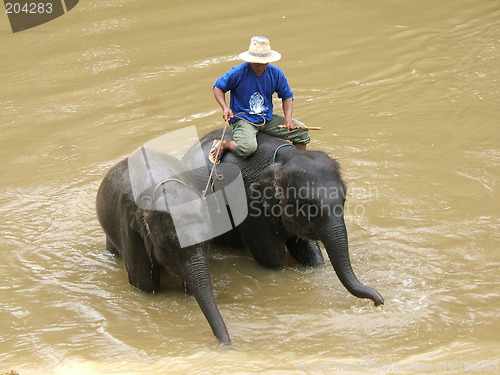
<point x="260" y="51"/>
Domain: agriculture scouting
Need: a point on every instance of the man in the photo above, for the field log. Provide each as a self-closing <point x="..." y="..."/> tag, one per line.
<point x="252" y="85"/>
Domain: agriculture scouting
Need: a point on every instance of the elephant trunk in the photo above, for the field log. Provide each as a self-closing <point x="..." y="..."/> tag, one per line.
<point x="334" y="237"/>
<point x="197" y="278"/>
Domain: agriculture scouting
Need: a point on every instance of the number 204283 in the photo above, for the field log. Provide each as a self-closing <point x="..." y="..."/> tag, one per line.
<point x="28" y="8"/>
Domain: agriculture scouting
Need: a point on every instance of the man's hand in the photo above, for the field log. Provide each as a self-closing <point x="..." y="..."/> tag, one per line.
<point x="227" y="114"/>
<point x="289" y="124"/>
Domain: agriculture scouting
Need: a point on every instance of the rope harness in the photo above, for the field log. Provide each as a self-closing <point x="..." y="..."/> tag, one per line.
<point x="278" y="148"/>
<point x="173" y="179"/>
<point x="151" y="198"/>
<point x="251" y="123"/>
<point x="159" y="184"/>
<point x="218" y="176"/>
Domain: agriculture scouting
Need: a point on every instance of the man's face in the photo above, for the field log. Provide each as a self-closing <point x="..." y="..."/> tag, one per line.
<point x="259" y="69"/>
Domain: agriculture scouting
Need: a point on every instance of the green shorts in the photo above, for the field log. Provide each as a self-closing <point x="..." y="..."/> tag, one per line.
<point x="245" y="134"/>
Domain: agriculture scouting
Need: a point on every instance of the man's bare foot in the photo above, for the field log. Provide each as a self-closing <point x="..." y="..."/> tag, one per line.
<point x="219" y="148"/>
<point x="216" y="151"/>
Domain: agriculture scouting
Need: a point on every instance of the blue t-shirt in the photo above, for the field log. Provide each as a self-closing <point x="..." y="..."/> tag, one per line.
<point x="253" y="94"/>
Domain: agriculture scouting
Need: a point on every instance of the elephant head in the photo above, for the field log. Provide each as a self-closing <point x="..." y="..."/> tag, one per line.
<point x="306" y="194"/>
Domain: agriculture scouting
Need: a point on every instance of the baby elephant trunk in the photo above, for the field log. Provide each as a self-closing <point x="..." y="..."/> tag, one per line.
<point x="197" y="278"/>
<point x="334" y="237"/>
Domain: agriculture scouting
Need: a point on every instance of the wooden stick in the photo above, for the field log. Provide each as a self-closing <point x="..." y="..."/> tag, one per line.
<point x="302" y="127"/>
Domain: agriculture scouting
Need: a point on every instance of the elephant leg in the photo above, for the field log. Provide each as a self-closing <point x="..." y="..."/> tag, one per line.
<point x="267" y="247"/>
<point x="143" y="272"/>
<point x="111" y="248"/>
<point x="305" y="252"/>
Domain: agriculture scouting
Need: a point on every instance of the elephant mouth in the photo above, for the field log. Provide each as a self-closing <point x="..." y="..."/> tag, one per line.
<point x="302" y="227"/>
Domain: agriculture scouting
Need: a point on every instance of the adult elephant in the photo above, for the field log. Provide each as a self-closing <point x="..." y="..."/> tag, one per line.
<point x="295" y="198"/>
<point x="134" y="207"/>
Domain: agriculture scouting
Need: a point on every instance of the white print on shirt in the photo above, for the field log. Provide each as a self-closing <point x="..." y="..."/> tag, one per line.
<point x="257" y="104"/>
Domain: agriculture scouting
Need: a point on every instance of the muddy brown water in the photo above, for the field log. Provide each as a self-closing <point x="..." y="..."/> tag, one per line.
<point x="407" y="94"/>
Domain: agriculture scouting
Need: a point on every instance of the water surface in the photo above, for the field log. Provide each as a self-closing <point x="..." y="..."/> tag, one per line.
<point x="407" y="95"/>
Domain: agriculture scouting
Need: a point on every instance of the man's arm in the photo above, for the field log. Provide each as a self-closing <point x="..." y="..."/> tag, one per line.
<point x="220" y="97"/>
<point x="288" y="111"/>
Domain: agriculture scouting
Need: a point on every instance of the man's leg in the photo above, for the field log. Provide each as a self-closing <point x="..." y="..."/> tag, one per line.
<point x="245" y="140"/>
<point x="299" y="137"/>
<point x="245" y="136"/>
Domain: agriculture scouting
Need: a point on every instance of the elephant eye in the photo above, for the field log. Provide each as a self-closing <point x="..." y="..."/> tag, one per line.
<point x="308" y="209"/>
<point x="309" y="202"/>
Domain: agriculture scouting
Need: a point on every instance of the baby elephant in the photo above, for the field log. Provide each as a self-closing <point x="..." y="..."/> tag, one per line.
<point x="154" y="218"/>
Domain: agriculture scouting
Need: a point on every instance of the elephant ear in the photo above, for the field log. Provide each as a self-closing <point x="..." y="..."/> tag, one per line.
<point x="270" y="175"/>
<point x="271" y="192"/>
